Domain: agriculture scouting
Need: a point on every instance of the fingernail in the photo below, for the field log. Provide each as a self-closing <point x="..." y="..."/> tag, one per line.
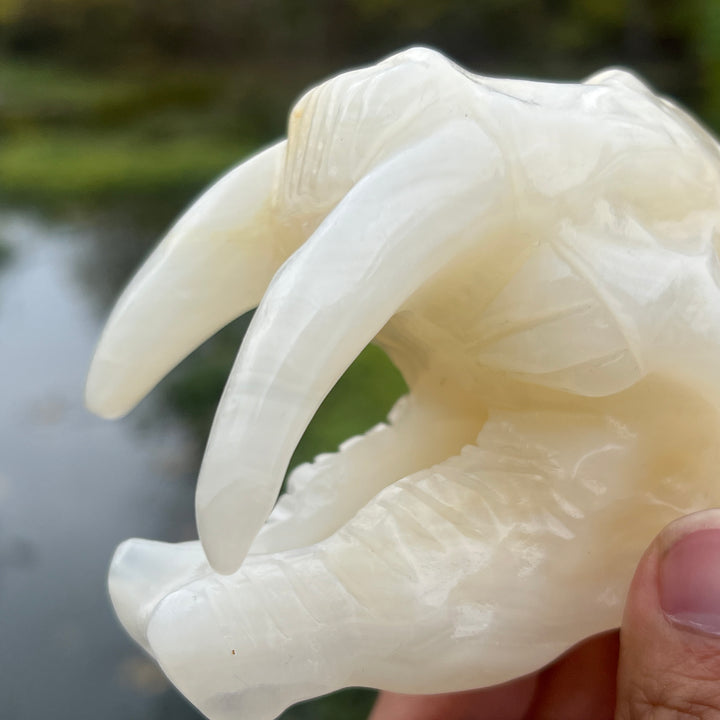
<point x="689" y="581"/>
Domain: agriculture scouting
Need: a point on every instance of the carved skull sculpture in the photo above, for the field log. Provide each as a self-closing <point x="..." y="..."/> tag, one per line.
<point x="539" y="261"/>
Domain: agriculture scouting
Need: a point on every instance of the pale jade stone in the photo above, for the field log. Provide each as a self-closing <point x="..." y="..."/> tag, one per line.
<point x="539" y="261"/>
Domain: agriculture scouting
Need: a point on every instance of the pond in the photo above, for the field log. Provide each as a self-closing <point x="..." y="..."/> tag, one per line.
<point x="71" y="488"/>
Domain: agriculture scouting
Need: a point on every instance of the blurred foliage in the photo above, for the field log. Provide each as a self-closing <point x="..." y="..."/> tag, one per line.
<point x="97" y="169"/>
<point x="536" y="36"/>
<point x="72" y="137"/>
<point x="111" y="99"/>
<point x="708" y="37"/>
<point x="123" y="109"/>
<point x="351" y="704"/>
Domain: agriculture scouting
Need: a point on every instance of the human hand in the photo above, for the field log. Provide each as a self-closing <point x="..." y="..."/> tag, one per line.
<point x="663" y="663"/>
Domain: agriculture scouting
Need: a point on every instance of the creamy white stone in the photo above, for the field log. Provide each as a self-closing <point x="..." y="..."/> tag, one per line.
<point x="540" y="262"/>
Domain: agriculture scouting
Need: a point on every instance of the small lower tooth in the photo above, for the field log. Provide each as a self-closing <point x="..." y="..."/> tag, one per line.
<point x="324" y="495"/>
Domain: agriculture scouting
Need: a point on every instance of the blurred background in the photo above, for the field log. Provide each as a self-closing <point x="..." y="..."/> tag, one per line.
<point x="113" y="115"/>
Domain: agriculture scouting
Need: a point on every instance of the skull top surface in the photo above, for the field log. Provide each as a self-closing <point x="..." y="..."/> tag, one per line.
<point x="539" y="260"/>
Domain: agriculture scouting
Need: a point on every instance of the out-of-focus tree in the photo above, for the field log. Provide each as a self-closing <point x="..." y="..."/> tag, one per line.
<point x="9" y="10"/>
<point x="708" y="42"/>
<point x="545" y="33"/>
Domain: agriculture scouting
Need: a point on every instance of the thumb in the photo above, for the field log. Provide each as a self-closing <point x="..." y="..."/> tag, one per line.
<point x="670" y="636"/>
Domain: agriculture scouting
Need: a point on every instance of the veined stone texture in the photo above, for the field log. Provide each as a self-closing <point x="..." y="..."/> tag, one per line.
<point x="540" y="262"/>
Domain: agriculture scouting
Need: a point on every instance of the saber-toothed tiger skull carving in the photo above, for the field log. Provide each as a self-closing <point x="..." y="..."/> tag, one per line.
<point x="539" y="261"/>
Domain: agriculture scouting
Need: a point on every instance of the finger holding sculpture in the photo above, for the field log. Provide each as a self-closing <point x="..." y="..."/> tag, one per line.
<point x="539" y="262"/>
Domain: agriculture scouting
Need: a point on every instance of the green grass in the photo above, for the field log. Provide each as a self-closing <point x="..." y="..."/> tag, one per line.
<point x="51" y="95"/>
<point x="361" y="398"/>
<point x="61" y="167"/>
<point x="78" y="138"/>
<point x="45" y="91"/>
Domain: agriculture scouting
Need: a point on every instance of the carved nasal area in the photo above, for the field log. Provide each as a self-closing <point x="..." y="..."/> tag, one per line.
<point x="342" y="129"/>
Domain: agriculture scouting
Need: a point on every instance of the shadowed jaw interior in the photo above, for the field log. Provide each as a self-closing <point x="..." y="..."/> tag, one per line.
<point x="538" y="260"/>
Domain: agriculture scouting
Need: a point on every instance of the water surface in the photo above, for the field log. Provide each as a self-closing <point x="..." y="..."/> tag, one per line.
<point x="71" y="488"/>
